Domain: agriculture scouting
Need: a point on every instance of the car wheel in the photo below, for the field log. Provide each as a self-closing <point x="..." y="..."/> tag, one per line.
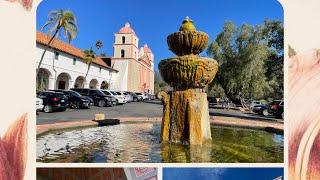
<point x="78" y="105"/>
<point x="47" y="109"/>
<point x="282" y="115"/>
<point x="111" y="104"/>
<point x="64" y="109"/>
<point x="135" y="99"/>
<point x="75" y="105"/>
<point x="101" y="103"/>
<point x="265" y="112"/>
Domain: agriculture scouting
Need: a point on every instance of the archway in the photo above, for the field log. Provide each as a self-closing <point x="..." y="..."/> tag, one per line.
<point x="43" y="78"/>
<point x="104" y="85"/>
<point x="79" y="82"/>
<point x="63" y="81"/>
<point x="93" y="84"/>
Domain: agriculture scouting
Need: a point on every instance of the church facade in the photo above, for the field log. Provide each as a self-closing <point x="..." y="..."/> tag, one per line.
<point x="135" y="64"/>
<point x="129" y="69"/>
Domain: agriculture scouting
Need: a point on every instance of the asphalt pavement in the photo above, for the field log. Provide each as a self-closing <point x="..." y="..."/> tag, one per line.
<point x="135" y="109"/>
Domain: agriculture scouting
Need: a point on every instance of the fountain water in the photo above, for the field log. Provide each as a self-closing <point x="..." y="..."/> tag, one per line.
<point x="185" y="111"/>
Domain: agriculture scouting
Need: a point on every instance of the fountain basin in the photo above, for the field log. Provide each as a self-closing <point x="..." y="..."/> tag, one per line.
<point x="187" y="42"/>
<point x="139" y="142"/>
<point x="189" y="71"/>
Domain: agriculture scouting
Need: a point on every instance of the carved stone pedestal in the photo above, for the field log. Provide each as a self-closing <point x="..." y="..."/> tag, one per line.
<point x="186" y="117"/>
<point x="185" y="111"/>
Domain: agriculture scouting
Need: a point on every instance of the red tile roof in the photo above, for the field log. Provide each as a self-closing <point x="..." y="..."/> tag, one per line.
<point x="67" y="48"/>
<point x="126" y="29"/>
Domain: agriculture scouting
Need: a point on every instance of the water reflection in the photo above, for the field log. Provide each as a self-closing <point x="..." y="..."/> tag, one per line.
<point x="139" y="142"/>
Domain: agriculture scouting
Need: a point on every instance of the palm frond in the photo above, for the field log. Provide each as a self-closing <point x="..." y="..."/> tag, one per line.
<point x="89" y="55"/>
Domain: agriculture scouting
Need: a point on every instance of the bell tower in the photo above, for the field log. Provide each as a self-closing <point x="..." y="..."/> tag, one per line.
<point x="125" y="43"/>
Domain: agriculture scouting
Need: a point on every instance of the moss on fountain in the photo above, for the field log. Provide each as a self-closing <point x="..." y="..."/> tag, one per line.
<point x="185" y="110"/>
<point x="189" y="71"/>
<point x="187" y="40"/>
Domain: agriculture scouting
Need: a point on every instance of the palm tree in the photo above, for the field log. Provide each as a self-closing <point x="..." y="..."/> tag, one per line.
<point x="59" y="20"/>
<point x="99" y="45"/>
<point x="89" y="56"/>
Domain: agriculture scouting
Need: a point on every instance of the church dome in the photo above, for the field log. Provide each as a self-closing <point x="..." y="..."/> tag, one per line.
<point x="126" y="29"/>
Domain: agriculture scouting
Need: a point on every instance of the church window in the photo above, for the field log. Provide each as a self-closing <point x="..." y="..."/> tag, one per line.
<point x="123" y="40"/>
<point x="56" y="55"/>
<point x="122" y="53"/>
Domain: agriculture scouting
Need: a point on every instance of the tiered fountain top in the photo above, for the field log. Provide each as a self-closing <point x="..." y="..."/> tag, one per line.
<point x="188" y="70"/>
<point x="187" y="40"/>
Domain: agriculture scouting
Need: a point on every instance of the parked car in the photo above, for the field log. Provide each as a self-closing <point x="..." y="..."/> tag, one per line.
<point x="135" y="97"/>
<point x="212" y="100"/>
<point x="140" y="96"/>
<point x="75" y="99"/>
<point x="145" y="96"/>
<point x="53" y="101"/>
<point x="262" y="109"/>
<point x="39" y="104"/>
<point x="276" y="108"/>
<point x="254" y="103"/>
<point x="99" y="98"/>
<point x="127" y="96"/>
<point x="120" y="99"/>
<point x="151" y="96"/>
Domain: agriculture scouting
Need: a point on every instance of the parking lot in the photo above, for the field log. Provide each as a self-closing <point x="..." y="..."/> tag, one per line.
<point x="133" y="109"/>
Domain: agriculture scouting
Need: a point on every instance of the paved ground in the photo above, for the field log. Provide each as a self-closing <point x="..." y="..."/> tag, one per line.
<point x="137" y="109"/>
<point x="134" y="109"/>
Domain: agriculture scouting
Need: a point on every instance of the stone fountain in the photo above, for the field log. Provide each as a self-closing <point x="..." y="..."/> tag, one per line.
<point x="185" y="109"/>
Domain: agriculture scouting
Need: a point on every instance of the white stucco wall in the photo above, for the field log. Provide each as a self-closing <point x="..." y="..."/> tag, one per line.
<point x="122" y="77"/>
<point x="64" y="64"/>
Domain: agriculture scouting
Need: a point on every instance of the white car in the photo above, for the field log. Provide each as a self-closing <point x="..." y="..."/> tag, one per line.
<point x="128" y="96"/>
<point x="143" y="96"/>
<point x="125" y="95"/>
<point x="120" y="98"/>
<point x="39" y="104"/>
<point x="254" y="103"/>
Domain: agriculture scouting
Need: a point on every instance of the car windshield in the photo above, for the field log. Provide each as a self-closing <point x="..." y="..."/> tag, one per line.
<point x="114" y="93"/>
<point x="60" y="95"/>
<point x="106" y="92"/>
<point x="125" y="93"/>
<point x="138" y="94"/>
<point x="118" y="93"/>
<point x="76" y="94"/>
<point x="100" y="93"/>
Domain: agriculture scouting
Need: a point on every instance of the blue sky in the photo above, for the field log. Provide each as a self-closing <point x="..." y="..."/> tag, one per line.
<point x="221" y="173"/>
<point x="154" y="20"/>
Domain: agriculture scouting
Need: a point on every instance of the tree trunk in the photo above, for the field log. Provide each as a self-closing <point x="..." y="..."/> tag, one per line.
<point x="85" y="78"/>
<point x="46" y="48"/>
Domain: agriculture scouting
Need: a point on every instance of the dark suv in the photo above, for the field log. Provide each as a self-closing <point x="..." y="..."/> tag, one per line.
<point x="276" y="108"/>
<point x="76" y="100"/>
<point x="53" y="101"/>
<point x="99" y="98"/>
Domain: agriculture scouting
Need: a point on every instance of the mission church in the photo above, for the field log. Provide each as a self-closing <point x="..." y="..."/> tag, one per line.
<point x="131" y="68"/>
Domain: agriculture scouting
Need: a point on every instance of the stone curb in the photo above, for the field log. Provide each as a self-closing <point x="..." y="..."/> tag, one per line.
<point x="220" y="121"/>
